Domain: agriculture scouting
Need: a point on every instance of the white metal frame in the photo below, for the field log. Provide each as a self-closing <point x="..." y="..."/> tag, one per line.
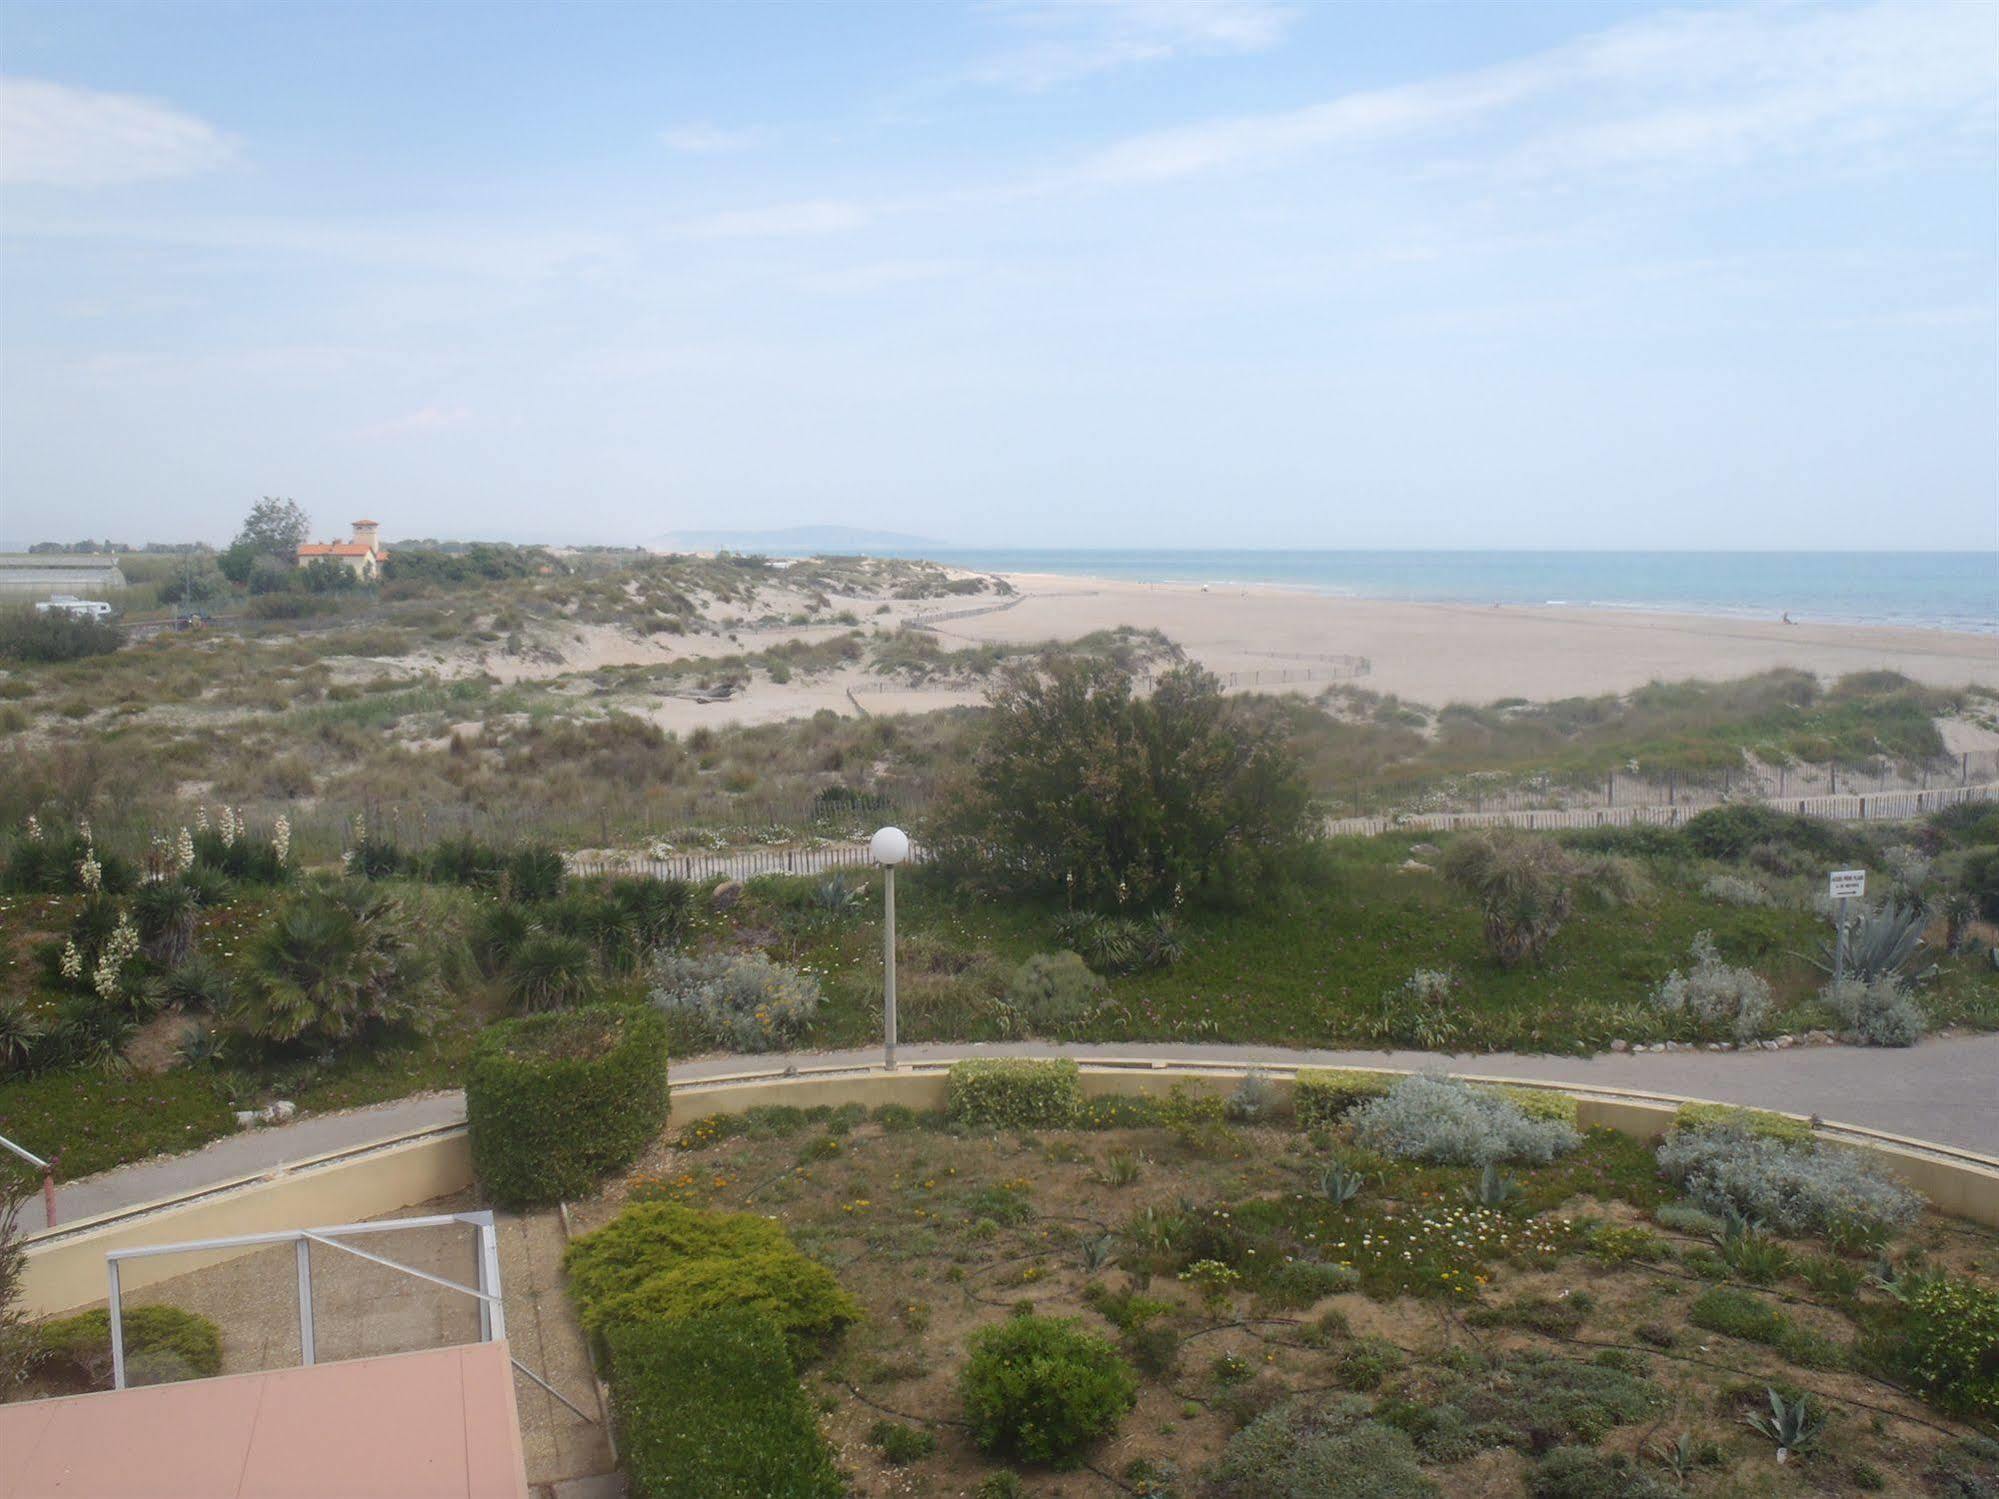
<point x="492" y="1314"/>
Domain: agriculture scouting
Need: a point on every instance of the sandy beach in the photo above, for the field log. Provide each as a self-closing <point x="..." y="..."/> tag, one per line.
<point x="1441" y="653"/>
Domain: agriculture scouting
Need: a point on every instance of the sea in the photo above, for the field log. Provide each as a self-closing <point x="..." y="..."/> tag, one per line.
<point x="1927" y="590"/>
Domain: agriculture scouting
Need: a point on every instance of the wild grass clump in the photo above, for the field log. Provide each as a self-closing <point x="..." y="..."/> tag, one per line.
<point x="1054" y="994"/>
<point x="1715" y="995"/>
<point x="1524" y="887"/>
<point x="1449" y="1123"/>
<point x="1734" y="890"/>
<point x="743" y="1001"/>
<point x="1529" y="1400"/>
<point x="1793" y="1187"/>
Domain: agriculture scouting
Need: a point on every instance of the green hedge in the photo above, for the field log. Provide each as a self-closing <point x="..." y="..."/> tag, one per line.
<point x="1538" y="1103"/>
<point x="558" y="1102"/>
<point x="657" y="1261"/>
<point x="709" y="1407"/>
<point x="162" y="1344"/>
<point x="1015" y="1093"/>
<point x="1755" y="1121"/>
<point x="1322" y="1094"/>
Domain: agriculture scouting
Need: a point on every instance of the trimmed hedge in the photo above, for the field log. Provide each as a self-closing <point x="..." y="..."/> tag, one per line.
<point x="1015" y="1092"/>
<point x="658" y="1260"/>
<point x="1755" y="1121"/>
<point x="709" y="1407"/>
<point x="558" y="1102"/>
<point x="1538" y="1103"/>
<point x="1323" y="1094"/>
<point x="162" y="1344"/>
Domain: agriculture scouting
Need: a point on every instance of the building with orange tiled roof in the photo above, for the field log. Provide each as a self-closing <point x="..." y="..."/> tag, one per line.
<point x="363" y="556"/>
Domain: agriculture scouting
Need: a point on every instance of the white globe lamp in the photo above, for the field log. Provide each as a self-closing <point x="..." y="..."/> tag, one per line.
<point x="888" y="848"/>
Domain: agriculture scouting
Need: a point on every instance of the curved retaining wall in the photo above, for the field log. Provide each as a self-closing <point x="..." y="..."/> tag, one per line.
<point x="65" y="1267"/>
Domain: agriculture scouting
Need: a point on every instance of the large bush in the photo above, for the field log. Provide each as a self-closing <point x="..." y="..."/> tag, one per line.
<point x="740" y="1000"/>
<point x="1318" y="1447"/>
<point x="1524" y="886"/>
<point x="1054" y="994"/>
<point x="1730" y="832"/>
<point x="659" y="1260"/>
<point x="558" y="1102"/>
<point x="1876" y="1014"/>
<point x="1795" y="1187"/>
<point x="708" y="1407"/>
<point x="1015" y="1092"/>
<point x="162" y="1344"/>
<point x="1714" y="994"/>
<point x="334" y="962"/>
<point x="1444" y="1121"/>
<point x="28" y="636"/>
<point x="1040" y="1388"/>
<point x="1085" y="784"/>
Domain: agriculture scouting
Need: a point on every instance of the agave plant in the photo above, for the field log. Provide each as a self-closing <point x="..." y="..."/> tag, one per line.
<point x="1794" y="1425"/>
<point x="1340" y="1184"/>
<point x="1099" y="1253"/>
<point x="1494" y="1190"/>
<point x="1880" y="944"/>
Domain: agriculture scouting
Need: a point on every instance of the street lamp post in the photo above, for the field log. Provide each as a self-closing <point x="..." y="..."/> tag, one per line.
<point x="888" y="848"/>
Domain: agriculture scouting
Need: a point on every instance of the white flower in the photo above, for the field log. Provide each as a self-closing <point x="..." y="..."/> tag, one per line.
<point x="34" y="829"/>
<point x="72" y="960"/>
<point x="281" y="837"/>
<point x="89" y="873"/>
<point x="201" y="819"/>
<point x="184" y="850"/>
<point x="83" y="828"/>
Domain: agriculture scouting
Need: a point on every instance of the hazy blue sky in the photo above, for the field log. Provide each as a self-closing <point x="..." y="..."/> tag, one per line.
<point x="1030" y="272"/>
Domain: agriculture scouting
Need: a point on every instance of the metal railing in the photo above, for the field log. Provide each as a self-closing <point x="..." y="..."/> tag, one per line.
<point x="48" y="1170"/>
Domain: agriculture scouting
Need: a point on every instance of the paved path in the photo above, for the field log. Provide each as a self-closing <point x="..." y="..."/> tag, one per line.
<point x="1945" y="1091"/>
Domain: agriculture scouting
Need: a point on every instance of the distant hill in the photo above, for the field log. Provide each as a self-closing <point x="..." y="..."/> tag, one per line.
<point x="793" y="539"/>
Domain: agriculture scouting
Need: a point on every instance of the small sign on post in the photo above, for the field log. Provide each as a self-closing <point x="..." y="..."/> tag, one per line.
<point x="1843" y="885"/>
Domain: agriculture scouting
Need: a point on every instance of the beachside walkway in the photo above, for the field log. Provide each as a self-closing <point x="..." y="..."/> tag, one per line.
<point x="1943" y="1091"/>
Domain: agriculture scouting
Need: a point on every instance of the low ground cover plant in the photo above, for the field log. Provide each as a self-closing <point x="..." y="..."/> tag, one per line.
<point x="1319" y="1447"/>
<point x="1795" y="1187"/>
<point x="1447" y="1122"/>
<point x="555" y="1103"/>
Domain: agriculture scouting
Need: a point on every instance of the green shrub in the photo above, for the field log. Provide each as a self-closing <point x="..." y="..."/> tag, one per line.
<point x="899" y="1444"/>
<point x="1323" y="1094"/>
<point x="1041" y="1388"/>
<point x="1755" y="1121"/>
<point x="708" y="1407"/>
<point x="1524" y="886"/>
<point x="162" y="1344"/>
<point x="1054" y="994"/>
<point x="1015" y="1093"/>
<point x="659" y="1260"/>
<point x="558" y="1102"/>
<point x="1948" y="1343"/>
<point x="548" y="971"/>
<point x="1315" y="1447"/>
<point x="535" y="872"/>
<point x="1731" y="831"/>
<point x="26" y="635"/>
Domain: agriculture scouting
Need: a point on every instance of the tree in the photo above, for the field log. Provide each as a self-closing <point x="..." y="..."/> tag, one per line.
<point x="1082" y="783"/>
<point x="274" y="528"/>
<point x="20" y="1348"/>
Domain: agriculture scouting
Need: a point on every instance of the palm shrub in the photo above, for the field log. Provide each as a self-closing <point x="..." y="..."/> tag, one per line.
<point x="51" y="864"/>
<point x="21" y="1032"/>
<point x="1041" y="1388"/>
<point x="1084" y="784"/>
<point x="1523" y="885"/>
<point x="338" y="961"/>
<point x="198" y="984"/>
<point x="656" y="912"/>
<point x="550" y="972"/>
<point x="535" y="872"/>
<point x="496" y="935"/>
<point x="555" y="1103"/>
<point x="247" y="860"/>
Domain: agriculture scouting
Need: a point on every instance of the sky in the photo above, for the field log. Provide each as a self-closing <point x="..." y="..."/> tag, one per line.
<point x="1061" y="273"/>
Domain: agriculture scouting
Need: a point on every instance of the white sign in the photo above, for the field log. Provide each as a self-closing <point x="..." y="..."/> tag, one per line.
<point x="1848" y="883"/>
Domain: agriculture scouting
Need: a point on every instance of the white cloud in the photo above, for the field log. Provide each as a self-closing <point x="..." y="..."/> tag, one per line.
<point x="784" y="221"/>
<point x="1071" y="39"/>
<point x="699" y="138"/>
<point x="73" y="137"/>
<point x="1688" y="90"/>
